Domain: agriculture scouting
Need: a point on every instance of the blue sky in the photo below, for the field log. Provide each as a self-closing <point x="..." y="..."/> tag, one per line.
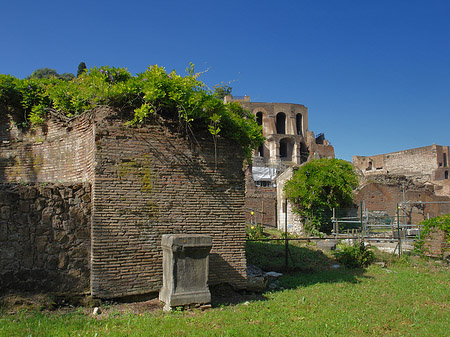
<point x="375" y="75"/>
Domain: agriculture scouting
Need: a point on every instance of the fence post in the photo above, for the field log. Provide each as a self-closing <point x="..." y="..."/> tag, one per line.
<point x="398" y="231"/>
<point x="361" y="215"/>
<point x="286" y="247"/>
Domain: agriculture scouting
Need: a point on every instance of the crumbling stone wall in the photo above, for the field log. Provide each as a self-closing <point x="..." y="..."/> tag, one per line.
<point x="45" y="237"/>
<point x="149" y="181"/>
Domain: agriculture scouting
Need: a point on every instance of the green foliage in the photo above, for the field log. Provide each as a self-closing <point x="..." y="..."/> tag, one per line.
<point x="221" y="90"/>
<point x="182" y="98"/>
<point x="50" y="73"/>
<point x="319" y="186"/>
<point x="431" y="225"/>
<point x="354" y="256"/>
<point x="81" y="68"/>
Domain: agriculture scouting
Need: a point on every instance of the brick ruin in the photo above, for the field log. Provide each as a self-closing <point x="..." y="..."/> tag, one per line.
<point x="289" y="143"/>
<point x="84" y="203"/>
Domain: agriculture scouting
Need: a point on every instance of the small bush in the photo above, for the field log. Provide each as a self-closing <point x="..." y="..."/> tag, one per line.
<point x="354" y="256"/>
<point x="254" y="232"/>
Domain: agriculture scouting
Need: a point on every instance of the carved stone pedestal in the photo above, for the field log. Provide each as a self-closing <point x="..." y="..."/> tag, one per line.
<point x="185" y="269"/>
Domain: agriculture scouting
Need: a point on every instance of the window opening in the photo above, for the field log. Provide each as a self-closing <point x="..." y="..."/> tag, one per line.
<point x="298" y="120"/>
<point x="259" y="117"/>
<point x="281" y="123"/>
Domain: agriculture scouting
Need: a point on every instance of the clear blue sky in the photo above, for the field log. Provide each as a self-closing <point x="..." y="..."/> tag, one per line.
<point x="375" y="75"/>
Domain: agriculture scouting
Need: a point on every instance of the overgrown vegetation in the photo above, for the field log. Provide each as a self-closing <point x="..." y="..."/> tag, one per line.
<point x="357" y="255"/>
<point x="319" y="186"/>
<point x="184" y="99"/>
<point x="429" y="226"/>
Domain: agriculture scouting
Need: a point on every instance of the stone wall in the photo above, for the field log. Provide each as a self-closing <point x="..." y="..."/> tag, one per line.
<point x="149" y="181"/>
<point x="427" y="162"/>
<point x="45" y="237"/>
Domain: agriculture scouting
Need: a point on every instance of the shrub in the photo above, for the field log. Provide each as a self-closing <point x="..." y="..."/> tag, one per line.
<point x="354" y="256"/>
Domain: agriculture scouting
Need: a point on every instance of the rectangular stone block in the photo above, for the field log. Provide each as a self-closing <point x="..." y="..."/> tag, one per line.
<point x="185" y="269"/>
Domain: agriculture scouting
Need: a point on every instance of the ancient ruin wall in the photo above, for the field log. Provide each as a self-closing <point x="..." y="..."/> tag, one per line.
<point x="45" y="237"/>
<point x="422" y="162"/>
<point x="54" y="153"/>
<point x="148" y="182"/>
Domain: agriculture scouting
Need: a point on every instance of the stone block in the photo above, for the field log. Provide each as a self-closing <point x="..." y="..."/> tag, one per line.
<point x="185" y="269"/>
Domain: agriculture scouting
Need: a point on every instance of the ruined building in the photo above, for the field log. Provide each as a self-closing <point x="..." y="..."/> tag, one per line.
<point x="417" y="178"/>
<point x="289" y="142"/>
<point x="84" y="204"/>
<point x="426" y="165"/>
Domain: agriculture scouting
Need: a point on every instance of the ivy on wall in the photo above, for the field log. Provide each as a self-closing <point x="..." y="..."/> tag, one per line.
<point x="185" y="99"/>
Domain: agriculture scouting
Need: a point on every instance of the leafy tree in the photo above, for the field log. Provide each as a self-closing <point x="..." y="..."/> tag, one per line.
<point x="221" y="90"/>
<point x="319" y="186"/>
<point x="49" y="73"/>
<point x="44" y="73"/>
<point x="81" y="68"/>
<point x="67" y="76"/>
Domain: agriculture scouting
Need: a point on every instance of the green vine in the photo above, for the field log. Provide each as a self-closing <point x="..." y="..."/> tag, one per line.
<point x="154" y="91"/>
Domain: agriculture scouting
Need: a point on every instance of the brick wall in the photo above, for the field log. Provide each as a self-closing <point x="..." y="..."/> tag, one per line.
<point x="45" y="237"/>
<point x="261" y="200"/>
<point x="386" y="196"/>
<point x="57" y="153"/>
<point x="149" y="181"/>
<point x="436" y="244"/>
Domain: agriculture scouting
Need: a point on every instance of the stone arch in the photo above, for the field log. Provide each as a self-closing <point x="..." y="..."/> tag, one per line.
<point x="299" y="124"/>
<point x="281" y="123"/>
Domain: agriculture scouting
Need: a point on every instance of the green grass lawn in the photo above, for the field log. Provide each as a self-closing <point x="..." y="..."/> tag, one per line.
<point x="410" y="297"/>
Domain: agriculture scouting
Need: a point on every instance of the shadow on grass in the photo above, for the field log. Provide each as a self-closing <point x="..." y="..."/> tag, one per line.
<point x="306" y="265"/>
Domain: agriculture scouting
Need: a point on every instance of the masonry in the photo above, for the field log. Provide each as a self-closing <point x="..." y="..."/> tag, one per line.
<point x="143" y="182"/>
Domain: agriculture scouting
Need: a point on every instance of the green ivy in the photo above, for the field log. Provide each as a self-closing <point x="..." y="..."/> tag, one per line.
<point x="183" y="98"/>
<point x="431" y="225"/>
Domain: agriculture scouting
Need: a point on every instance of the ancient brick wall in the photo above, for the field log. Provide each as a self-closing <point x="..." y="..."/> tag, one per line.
<point x="56" y="153"/>
<point x="149" y="181"/>
<point x="386" y="196"/>
<point x="436" y="245"/>
<point x="45" y="237"/>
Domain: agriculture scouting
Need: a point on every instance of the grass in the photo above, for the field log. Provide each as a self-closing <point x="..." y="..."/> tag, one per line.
<point x="410" y="297"/>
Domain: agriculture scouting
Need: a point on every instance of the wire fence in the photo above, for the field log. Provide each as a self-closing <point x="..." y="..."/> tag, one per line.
<point x="393" y="230"/>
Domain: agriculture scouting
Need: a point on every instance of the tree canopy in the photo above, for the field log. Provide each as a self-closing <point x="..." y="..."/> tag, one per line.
<point x="185" y="99"/>
<point x="50" y="73"/>
<point x="319" y="186"/>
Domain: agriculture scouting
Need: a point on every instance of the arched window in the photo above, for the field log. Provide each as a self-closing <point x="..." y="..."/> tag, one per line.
<point x="259" y="117"/>
<point x="446" y="175"/>
<point x="281" y="123"/>
<point x="298" y="120"/>
<point x="286" y="149"/>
